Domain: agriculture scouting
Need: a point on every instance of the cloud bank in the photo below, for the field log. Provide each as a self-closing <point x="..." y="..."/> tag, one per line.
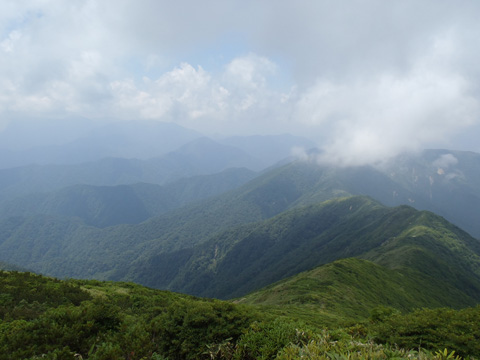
<point x="366" y="80"/>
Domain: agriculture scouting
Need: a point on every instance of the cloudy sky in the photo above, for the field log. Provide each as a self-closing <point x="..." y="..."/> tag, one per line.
<point x="364" y="79"/>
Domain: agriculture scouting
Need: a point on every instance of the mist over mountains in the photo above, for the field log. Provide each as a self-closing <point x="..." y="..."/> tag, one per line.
<point x="58" y="142"/>
<point x="132" y="152"/>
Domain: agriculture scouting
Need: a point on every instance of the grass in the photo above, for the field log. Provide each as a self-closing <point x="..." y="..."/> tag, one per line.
<point x="348" y="289"/>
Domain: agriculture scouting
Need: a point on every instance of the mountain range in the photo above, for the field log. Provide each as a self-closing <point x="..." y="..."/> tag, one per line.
<point x="67" y="144"/>
<point x="194" y="248"/>
<point x="201" y="157"/>
<point x="103" y="206"/>
<point x="226" y="218"/>
<point x="235" y="263"/>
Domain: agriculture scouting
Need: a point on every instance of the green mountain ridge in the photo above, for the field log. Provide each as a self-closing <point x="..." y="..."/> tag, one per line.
<point x="351" y="288"/>
<point x="279" y="224"/>
<point x="236" y="262"/>
<point x="200" y="157"/>
<point x="330" y="263"/>
<point x="156" y="251"/>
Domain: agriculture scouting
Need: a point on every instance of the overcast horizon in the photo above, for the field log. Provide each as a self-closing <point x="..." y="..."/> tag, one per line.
<point x="363" y="79"/>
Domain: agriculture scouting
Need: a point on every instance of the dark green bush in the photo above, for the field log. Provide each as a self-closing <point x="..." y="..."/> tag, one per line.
<point x="265" y="340"/>
<point x="433" y="329"/>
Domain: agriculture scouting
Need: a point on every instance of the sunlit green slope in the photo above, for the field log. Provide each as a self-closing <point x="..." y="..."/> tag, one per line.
<point x="349" y="289"/>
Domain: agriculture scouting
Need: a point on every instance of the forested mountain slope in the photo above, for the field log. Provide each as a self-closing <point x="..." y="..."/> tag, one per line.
<point x="152" y="251"/>
<point x="238" y="261"/>
<point x="442" y="181"/>
<point x="66" y="247"/>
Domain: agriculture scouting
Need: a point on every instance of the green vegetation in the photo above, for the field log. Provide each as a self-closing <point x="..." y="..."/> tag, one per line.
<point x="110" y="320"/>
<point x="312" y="274"/>
<point x="425" y="251"/>
<point x="432" y="329"/>
<point x="208" y="251"/>
<point x="62" y="246"/>
<point x="44" y="318"/>
<point x="347" y="290"/>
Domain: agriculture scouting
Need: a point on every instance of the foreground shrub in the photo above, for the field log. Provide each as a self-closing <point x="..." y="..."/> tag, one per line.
<point x="433" y="329"/>
<point x="265" y="340"/>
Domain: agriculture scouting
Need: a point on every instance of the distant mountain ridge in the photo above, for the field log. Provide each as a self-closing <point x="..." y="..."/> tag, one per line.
<point x="141" y="140"/>
<point x="270" y="149"/>
<point x="444" y="181"/>
<point x="103" y="206"/>
<point x="201" y="157"/>
<point x="131" y="139"/>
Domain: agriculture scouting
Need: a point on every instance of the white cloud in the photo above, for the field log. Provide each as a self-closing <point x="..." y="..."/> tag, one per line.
<point x="445" y="161"/>
<point x="249" y="71"/>
<point x="373" y="118"/>
<point x="190" y="95"/>
<point x="187" y="91"/>
<point x="8" y="44"/>
<point x="366" y="80"/>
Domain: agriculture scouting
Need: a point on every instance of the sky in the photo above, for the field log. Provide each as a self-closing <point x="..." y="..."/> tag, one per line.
<point x="364" y="79"/>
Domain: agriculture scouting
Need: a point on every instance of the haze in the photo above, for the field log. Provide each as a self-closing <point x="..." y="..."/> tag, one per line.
<point x="364" y="80"/>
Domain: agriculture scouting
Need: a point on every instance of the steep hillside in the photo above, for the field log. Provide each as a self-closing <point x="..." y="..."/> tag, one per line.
<point x="301" y="183"/>
<point x="63" y="246"/>
<point x="441" y="181"/>
<point x="416" y="259"/>
<point x="240" y="260"/>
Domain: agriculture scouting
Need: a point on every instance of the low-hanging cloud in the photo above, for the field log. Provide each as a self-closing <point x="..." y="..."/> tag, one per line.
<point x="371" y="119"/>
<point x="366" y="81"/>
<point x="445" y="161"/>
